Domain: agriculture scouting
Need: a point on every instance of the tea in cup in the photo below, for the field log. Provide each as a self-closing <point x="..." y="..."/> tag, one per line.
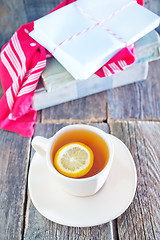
<point x="96" y="150"/>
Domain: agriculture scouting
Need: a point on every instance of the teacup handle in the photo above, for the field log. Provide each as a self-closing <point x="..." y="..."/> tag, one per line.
<point x="40" y="144"/>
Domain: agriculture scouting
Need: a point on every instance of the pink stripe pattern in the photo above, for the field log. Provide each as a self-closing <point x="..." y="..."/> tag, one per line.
<point x="106" y="72"/>
<point x="122" y="64"/>
<point x="114" y="67"/>
<point x="24" y="81"/>
<point x="31" y="80"/>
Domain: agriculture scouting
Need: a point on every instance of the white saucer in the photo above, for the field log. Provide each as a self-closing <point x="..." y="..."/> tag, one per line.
<point x="109" y="203"/>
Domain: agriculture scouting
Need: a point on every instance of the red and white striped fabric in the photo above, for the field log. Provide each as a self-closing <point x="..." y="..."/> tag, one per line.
<point x="22" y="61"/>
<point x="118" y="63"/>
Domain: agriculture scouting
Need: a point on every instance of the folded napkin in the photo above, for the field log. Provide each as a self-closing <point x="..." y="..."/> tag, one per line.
<point x="22" y="61"/>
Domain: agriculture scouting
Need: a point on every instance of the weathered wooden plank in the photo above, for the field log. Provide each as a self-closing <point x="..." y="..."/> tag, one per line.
<point x="12" y="16"/>
<point x="41" y="228"/>
<point x="38" y="8"/>
<point x="88" y="109"/>
<point x="38" y="227"/>
<point x="141" y="220"/>
<point x="14" y="157"/>
<point x="137" y="101"/>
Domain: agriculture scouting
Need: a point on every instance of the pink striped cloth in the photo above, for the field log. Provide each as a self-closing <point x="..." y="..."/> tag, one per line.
<point x="22" y="61"/>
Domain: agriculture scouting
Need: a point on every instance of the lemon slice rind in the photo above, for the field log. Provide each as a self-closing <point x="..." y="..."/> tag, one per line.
<point x="74" y="160"/>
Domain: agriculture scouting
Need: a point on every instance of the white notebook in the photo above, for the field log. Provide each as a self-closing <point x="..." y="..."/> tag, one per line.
<point x="85" y="34"/>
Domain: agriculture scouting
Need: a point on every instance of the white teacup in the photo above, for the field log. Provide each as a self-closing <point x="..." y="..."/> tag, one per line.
<point x="76" y="186"/>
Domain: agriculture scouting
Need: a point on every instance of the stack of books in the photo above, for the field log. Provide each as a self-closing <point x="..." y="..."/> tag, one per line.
<point x="57" y="85"/>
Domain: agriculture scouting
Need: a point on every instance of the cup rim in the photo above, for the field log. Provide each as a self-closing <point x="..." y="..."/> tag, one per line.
<point x="109" y="144"/>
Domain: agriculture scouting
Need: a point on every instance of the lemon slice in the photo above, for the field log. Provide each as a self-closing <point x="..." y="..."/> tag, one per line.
<point x="74" y="159"/>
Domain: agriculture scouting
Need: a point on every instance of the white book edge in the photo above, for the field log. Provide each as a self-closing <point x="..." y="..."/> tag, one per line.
<point x="88" y="87"/>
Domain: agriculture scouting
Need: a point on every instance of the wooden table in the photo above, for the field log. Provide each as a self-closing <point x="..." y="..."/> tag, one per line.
<point x="135" y="122"/>
<point x="131" y="113"/>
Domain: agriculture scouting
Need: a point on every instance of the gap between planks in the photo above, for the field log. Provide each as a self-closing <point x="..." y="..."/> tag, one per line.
<point x="71" y="121"/>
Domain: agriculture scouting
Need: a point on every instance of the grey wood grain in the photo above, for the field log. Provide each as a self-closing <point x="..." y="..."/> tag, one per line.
<point x="88" y="109"/>
<point x="137" y="101"/>
<point x="12" y="16"/>
<point x="38" y="8"/>
<point x="38" y="227"/>
<point x="14" y="157"/>
<point x="141" y="220"/>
